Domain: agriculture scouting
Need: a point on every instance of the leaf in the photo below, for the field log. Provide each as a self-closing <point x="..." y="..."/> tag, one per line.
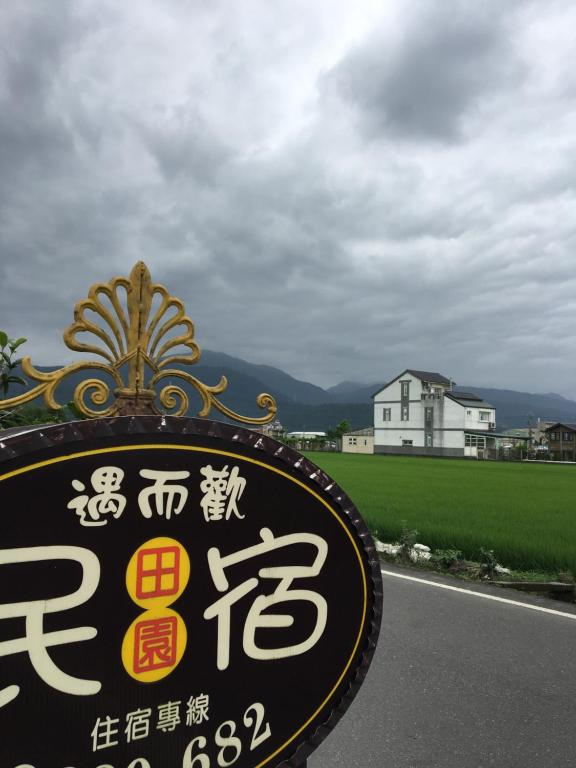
<point x="15" y="343"/>
<point x="3" y="339"/>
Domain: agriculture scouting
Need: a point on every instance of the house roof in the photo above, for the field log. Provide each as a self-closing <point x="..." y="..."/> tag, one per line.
<point x="429" y="376"/>
<point x="560" y="424"/>
<point x="486" y="433"/>
<point x="465" y="395"/>
<point x="364" y="432"/>
<point x="468" y="400"/>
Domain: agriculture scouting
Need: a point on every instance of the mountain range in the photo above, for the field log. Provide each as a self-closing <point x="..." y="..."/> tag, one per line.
<point x="305" y="406"/>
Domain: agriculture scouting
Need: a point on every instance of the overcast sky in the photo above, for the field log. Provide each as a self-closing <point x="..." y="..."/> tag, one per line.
<point x="341" y="188"/>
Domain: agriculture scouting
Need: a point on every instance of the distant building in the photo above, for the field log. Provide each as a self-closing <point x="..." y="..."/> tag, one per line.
<point x="306" y="435"/>
<point x="358" y="441"/>
<point x="521" y="438"/>
<point x="539" y="436"/>
<point x="561" y="441"/>
<point x="273" y="429"/>
<point x="419" y="412"/>
<point x="308" y="441"/>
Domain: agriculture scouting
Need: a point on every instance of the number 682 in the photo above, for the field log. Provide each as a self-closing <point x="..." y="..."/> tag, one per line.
<point x="229" y="743"/>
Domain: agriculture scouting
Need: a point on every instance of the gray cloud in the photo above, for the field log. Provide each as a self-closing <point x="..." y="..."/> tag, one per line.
<point x="422" y="84"/>
<point x="34" y="138"/>
<point x="232" y="147"/>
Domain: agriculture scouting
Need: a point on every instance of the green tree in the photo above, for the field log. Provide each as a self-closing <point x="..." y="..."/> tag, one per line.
<point x="339" y="430"/>
<point x="26" y="414"/>
<point x="29" y="415"/>
<point x="8" y="364"/>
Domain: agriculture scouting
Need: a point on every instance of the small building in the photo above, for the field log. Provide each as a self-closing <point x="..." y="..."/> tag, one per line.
<point x="420" y="413"/>
<point x="306" y="435"/>
<point x="516" y="443"/>
<point x="539" y="435"/>
<point x="273" y="429"/>
<point x="307" y="441"/>
<point x="358" y="441"/>
<point x="561" y="441"/>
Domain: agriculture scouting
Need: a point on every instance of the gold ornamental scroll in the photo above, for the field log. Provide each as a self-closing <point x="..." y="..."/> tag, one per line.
<point x="139" y="332"/>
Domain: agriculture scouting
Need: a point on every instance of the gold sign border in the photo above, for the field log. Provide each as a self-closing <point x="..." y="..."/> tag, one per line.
<point x="141" y="333"/>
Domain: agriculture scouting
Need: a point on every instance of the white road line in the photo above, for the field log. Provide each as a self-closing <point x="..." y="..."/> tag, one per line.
<point x="480" y="594"/>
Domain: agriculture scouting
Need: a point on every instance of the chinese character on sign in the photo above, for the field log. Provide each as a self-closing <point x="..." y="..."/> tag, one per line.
<point x="105" y="482"/>
<point x="36" y="641"/>
<point x="168" y="716"/>
<point x="197" y="709"/>
<point x="167" y="497"/>
<point x="259" y="616"/>
<point x="137" y="724"/>
<point x="157" y="572"/>
<point x="104" y="732"/>
<point x="155" y="641"/>
<point x="155" y="644"/>
<point x="222" y="490"/>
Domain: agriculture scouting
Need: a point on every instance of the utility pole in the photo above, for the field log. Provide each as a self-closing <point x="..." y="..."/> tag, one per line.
<point x="530" y="421"/>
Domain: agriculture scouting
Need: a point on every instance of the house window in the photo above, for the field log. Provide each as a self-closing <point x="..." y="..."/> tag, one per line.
<point x="485" y="415"/>
<point x="405" y="386"/>
<point x="567" y="436"/>
<point x="428" y="414"/>
<point x="404" y="413"/>
<point x="428" y="441"/>
<point x="553" y="436"/>
<point x="387" y="414"/>
<point x="407" y="442"/>
<point x="474" y="441"/>
<point x="468" y="413"/>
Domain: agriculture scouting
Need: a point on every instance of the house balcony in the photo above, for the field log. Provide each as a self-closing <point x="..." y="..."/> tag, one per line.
<point x="487" y="426"/>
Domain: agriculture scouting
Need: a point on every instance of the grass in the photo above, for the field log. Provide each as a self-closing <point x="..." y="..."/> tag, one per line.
<point x="526" y="513"/>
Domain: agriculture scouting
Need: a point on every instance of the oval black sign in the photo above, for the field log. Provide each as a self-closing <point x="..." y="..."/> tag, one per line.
<point x="175" y="593"/>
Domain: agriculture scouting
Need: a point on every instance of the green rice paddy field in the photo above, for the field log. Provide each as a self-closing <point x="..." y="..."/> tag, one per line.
<point x="526" y="513"/>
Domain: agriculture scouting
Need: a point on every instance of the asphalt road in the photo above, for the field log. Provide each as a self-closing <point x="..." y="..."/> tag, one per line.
<point x="461" y="681"/>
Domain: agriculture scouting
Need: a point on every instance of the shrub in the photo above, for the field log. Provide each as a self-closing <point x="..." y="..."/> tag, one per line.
<point x="407" y="540"/>
<point x="447" y="557"/>
<point x="488" y="562"/>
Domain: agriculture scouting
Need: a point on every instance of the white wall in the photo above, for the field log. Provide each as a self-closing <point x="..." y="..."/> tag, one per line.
<point x="454" y="414"/>
<point x="390" y="397"/>
<point x="394" y="390"/>
<point x="473" y="421"/>
<point x="394" y="437"/>
<point x="357" y="444"/>
<point x="451" y="439"/>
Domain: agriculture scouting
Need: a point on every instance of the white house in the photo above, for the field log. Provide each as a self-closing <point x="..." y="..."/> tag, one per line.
<point x="419" y="412"/>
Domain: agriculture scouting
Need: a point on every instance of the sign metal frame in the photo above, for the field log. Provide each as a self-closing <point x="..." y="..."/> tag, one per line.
<point x="22" y="450"/>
